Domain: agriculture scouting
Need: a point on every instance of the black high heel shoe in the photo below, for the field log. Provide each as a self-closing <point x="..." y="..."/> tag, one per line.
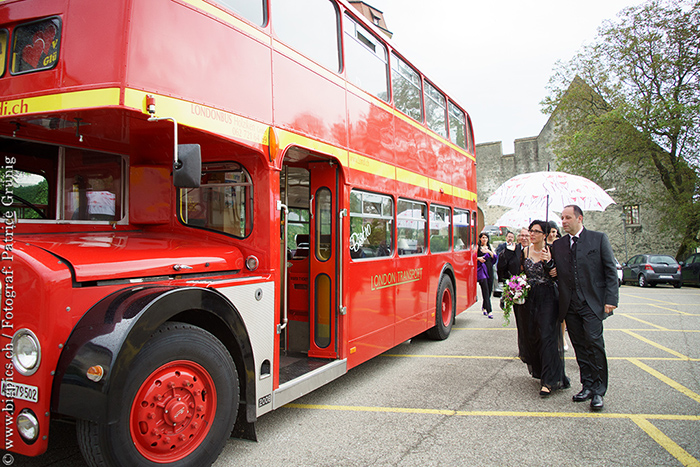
<point x="545" y="391"/>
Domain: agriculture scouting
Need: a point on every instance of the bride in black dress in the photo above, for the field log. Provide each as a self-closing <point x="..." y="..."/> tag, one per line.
<point x="545" y="339"/>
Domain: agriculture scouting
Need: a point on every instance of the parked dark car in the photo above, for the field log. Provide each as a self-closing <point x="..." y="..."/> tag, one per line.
<point x="690" y="269"/>
<point x="649" y="270"/>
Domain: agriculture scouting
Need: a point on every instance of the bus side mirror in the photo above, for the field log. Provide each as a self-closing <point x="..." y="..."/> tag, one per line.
<point x="187" y="170"/>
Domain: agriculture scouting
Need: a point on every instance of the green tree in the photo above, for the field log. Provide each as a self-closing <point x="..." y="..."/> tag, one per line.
<point x="630" y="111"/>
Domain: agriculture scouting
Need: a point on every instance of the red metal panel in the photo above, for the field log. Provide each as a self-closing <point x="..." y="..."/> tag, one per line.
<point x="101" y="255"/>
<point x="307" y="102"/>
<point x="183" y="53"/>
<point x="83" y="60"/>
<point x="370" y="129"/>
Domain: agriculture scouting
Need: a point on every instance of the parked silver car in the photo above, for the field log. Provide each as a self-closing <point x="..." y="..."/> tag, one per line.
<point x="648" y="270"/>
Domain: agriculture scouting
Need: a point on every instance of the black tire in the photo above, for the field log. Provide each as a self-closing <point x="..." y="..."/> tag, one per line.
<point x="445" y="307"/>
<point x="203" y="398"/>
<point x="677" y="285"/>
<point x="642" y="281"/>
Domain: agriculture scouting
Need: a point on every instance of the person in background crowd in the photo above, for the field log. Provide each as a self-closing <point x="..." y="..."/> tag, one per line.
<point x="553" y="232"/>
<point x="524" y="237"/>
<point x="509" y="265"/>
<point x="545" y="338"/>
<point x="486" y="258"/>
<point x="588" y="293"/>
<point x="510" y="239"/>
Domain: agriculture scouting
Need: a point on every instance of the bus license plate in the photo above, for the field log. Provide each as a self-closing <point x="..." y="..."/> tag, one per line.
<point x="20" y="391"/>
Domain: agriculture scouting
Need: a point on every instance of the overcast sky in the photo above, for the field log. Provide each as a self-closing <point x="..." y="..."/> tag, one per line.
<point x="495" y="57"/>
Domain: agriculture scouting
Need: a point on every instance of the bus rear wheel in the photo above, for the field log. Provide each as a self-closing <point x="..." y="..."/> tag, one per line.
<point x="180" y="403"/>
<point x="444" y="310"/>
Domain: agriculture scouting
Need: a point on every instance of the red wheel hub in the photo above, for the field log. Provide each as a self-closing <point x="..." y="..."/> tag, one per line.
<point x="446" y="307"/>
<point x="173" y="411"/>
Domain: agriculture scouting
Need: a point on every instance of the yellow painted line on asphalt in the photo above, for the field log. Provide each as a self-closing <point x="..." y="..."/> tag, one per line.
<point x="664" y="441"/>
<point x="513" y="328"/>
<point x="675" y="385"/>
<point x="357" y="408"/>
<point x="495" y="413"/>
<point x="640" y="419"/>
<point x="467" y="357"/>
<point x="570" y="357"/>
<point x="627" y="315"/>
<point x="685" y="313"/>
<point x="658" y="346"/>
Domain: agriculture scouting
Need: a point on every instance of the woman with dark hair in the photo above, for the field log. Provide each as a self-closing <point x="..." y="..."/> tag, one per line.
<point x="552" y="233"/>
<point x="486" y="258"/>
<point x="545" y="339"/>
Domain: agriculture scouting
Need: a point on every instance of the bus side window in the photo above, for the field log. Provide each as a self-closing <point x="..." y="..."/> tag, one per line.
<point x="371" y="225"/>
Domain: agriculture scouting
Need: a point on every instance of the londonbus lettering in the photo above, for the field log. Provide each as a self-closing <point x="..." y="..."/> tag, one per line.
<point x="13" y="108"/>
<point x="206" y="112"/>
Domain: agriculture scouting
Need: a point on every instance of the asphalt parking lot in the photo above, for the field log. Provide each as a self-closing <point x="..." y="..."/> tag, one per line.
<point x="468" y="401"/>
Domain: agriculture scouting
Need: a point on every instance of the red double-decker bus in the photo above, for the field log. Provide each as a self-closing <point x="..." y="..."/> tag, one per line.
<point x="211" y="208"/>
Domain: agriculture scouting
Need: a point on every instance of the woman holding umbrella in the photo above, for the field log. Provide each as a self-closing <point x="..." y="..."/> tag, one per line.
<point x="546" y="345"/>
<point x="486" y="258"/>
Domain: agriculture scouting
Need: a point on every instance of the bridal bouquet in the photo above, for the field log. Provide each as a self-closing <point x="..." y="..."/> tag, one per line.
<point x="515" y="291"/>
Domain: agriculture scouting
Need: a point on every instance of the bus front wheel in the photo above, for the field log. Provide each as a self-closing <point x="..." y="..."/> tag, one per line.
<point x="179" y="404"/>
<point x="444" y="310"/>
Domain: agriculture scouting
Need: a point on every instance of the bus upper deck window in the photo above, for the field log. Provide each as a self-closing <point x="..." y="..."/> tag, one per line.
<point x="35" y="46"/>
<point x="254" y="11"/>
<point x="406" y="84"/>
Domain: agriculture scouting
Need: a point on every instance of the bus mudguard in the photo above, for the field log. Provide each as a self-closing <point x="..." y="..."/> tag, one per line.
<point x="94" y="364"/>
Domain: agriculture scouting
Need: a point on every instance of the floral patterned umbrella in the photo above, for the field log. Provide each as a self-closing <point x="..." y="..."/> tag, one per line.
<point x="550" y="191"/>
<point x="523" y="217"/>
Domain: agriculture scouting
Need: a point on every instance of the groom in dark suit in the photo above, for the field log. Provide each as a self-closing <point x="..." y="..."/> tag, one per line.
<point x="588" y="293"/>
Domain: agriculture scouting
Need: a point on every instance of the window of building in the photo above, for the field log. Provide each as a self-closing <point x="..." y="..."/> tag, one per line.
<point x="462" y="230"/>
<point x="435" y="110"/>
<point x="310" y="27"/>
<point x="632" y="215"/>
<point x="223" y="202"/>
<point x="412" y="226"/>
<point x="458" y="132"/>
<point x="252" y="10"/>
<point x="406" y="85"/>
<point x="371" y="225"/>
<point x="365" y="60"/>
<point x="440" y="225"/>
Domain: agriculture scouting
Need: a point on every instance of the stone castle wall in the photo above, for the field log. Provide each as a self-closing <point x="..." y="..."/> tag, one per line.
<point x="533" y="155"/>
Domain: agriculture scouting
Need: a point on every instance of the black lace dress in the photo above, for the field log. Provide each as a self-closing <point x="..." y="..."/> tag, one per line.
<point x="545" y="340"/>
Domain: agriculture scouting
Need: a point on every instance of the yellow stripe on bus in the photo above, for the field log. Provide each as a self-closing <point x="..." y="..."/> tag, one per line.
<point x="200" y="116"/>
<point x="403" y="175"/>
<point x="366" y="164"/>
<point x="64" y="101"/>
<point x="223" y="123"/>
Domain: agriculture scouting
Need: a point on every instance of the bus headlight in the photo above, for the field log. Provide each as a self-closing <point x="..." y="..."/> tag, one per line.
<point x="26" y="352"/>
<point x="28" y="426"/>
